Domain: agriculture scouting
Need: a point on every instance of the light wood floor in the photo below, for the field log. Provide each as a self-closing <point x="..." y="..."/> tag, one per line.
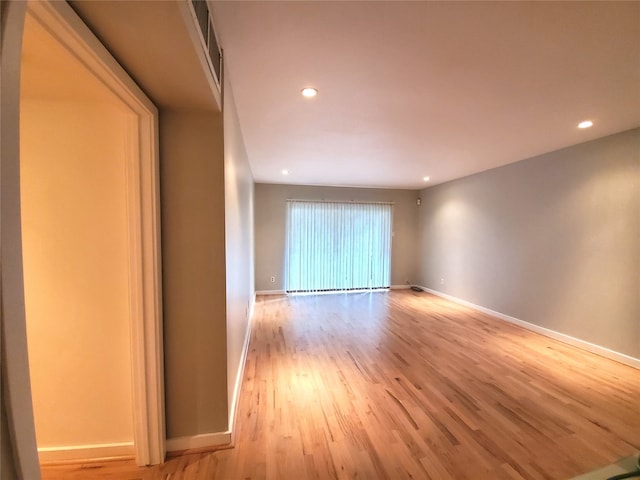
<point x="407" y="385"/>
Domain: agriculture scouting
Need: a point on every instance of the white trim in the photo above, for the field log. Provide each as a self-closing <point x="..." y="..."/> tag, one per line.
<point x="338" y="292"/>
<point x="243" y="360"/>
<point x="142" y="172"/>
<point x="106" y="451"/>
<point x="252" y="306"/>
<point x="198" y="441"/>
<point x="201" y="49"/>
<point x="16" y="386"/>
<point x="284" y="292"/>
<point x="576" y="342"/>
<point x="211" y="440"/>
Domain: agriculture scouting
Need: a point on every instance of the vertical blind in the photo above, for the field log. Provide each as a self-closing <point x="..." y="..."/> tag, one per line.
<point x="338" y="246"/>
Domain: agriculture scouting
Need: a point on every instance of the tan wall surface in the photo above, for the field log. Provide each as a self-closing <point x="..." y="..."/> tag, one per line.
<point x="76" y="271"/>
<point x="193" y="256"/>
<point x="7" y="465"/>
<point x="553" y="240"/>
<point x="271" y="217"/>
<point x="239" y="238"/>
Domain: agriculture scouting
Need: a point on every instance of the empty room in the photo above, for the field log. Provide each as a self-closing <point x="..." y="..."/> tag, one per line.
<point x="320" y="240"/>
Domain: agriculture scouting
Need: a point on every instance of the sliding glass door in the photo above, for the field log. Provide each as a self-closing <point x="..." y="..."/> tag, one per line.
<point x="338" y="246"/>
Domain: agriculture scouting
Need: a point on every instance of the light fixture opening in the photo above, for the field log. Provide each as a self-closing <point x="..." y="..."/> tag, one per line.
<point x="309" y="92"/>
<point x="585" y="124"/>
<point x="285" y="171"/>
<point x="426" y="179"/>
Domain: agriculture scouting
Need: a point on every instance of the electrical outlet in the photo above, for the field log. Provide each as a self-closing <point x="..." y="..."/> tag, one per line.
<point x="442" y="281"/>
<point x="273" y="279"/>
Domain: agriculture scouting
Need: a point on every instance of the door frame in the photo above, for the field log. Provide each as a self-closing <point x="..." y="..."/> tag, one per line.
<point x="143" y="225"/>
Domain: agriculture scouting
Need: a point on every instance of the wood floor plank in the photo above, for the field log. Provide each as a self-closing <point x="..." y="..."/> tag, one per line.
<point x="408" y="385"/>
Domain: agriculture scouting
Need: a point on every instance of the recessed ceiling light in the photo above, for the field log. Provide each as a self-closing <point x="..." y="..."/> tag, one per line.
<point x="426" y="179"/>
<point x="585" y="124"/>
<point x="309" y="92"/>
<point x="285" y="171"/>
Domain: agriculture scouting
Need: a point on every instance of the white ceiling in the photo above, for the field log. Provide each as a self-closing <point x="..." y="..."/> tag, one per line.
<point x="408" y="89"/>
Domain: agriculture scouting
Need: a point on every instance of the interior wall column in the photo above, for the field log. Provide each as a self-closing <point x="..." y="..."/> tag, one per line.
<point x="16" y="387"/>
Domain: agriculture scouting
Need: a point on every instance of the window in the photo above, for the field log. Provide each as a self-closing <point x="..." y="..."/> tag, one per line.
<point x="338" y="246"/>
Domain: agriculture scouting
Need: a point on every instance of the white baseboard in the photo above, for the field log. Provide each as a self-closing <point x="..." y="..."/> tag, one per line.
<point x="219" y="438"/>
<point x="243" y="360"/>
<point x="94" y="452"/>
<point x="271" y="292"/>
<point x="198" y="441"/>
<point x="576" y="342"/>
<point x="284" y="292"/>
<point x="252" y="306"/>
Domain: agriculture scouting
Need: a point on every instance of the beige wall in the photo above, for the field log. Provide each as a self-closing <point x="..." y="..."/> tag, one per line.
<point x="74" y="230"/>
<point x="194" y="274"/>
<point x="552" y="240"/>
<point x="7" y="466"/>
<point x="193" y="256"/>
<point x="239" y="239"/>
<point x="270" y="224"/>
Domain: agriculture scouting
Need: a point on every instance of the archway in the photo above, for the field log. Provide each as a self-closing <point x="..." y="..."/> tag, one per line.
<point x="139" y="184"/>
